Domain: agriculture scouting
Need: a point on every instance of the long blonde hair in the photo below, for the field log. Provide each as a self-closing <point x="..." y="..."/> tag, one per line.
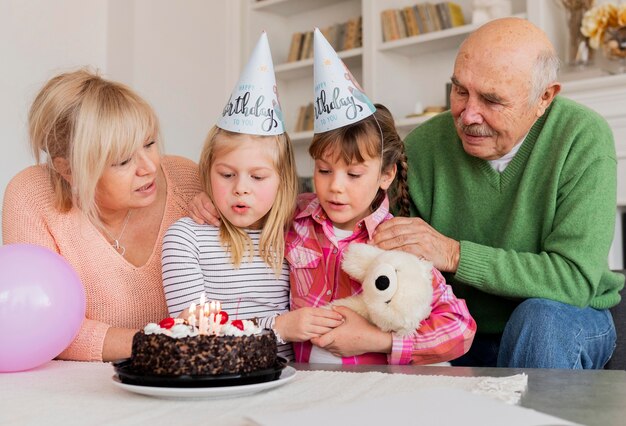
<point x="277" y="220"/>
<point x="91" y="123"/>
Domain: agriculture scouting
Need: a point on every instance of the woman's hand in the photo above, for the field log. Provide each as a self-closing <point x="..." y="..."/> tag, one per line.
<point x="202" y="210"/>
<point x="413" y="235"/>
<point x="355" y="336"/>
<point x="305" y="323"/>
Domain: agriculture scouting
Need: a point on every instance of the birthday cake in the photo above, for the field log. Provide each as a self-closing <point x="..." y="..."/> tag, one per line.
<point x="174" y="348"/>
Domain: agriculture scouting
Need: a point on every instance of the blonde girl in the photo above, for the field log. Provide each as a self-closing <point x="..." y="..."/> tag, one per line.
<point x="252" y="182"/>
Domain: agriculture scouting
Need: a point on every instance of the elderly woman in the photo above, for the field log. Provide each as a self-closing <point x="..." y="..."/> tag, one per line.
<point x="102" y="200"/>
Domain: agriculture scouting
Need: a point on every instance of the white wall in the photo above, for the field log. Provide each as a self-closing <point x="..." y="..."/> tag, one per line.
<point x="38" y="38"/>
<point x="185" y="63"/>
<point x="183" y="57"/>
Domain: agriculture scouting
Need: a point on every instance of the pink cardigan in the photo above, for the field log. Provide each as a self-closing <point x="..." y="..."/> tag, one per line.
<point x="119" y="294"/>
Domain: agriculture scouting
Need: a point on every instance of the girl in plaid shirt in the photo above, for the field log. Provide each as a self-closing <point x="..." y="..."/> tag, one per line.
<point x="352" y="176"/>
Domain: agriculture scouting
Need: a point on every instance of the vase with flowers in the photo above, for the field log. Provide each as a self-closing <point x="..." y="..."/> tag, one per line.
<point x="578" y="52"/>
<point x="605" y="25"/>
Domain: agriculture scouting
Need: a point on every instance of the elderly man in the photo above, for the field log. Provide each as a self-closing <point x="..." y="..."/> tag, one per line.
<point x="514" y="194"/>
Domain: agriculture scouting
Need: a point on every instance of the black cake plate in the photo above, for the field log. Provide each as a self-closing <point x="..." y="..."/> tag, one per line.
<point x="130" y="377"/>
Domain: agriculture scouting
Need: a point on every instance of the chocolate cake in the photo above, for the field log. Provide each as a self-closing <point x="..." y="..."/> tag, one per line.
<point x="182" y="351"/>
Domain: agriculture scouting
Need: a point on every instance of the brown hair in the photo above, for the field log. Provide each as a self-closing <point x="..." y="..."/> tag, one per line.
<point x="90" y="123"/>
<point x="278" y="219"/>
<point x="361" y="140"/>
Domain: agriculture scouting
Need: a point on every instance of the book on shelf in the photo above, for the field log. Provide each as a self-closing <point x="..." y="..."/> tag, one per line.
<point x="341" y="36"/>
<point x="308" y="117"/>
<point x="434" y="16"/>
<point x="420" y="18"/>
<point x="329" y="34"/>
<point x="305" y="118"/>
<point x="422" y="11"/>
<point x="307" y="46"/>
<point x="410" y="21"/>
<point x="295" y="47"/>
<point x="340" y="31"/>
<point x="352" y="39"/>
<point x="300" y="121"/>
<point x="385" y="22"/>
<point x="456" y="14"/>
<point x="444" y="16"/>
<point x="399" y="19"/>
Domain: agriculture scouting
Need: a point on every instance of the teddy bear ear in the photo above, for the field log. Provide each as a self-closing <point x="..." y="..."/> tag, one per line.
<point x="357" y="258"/>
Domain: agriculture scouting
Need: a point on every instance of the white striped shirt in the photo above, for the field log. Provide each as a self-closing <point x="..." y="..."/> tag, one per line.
<point x="195" y="262"/>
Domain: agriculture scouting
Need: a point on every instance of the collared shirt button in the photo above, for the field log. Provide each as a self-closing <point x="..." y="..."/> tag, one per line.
<point x="328" y="293"/>
<point x="335" y="250"/>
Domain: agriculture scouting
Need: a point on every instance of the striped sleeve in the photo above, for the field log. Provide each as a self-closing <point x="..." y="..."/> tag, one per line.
<point x="183" y="281"/>
<point x="445" y="335"/>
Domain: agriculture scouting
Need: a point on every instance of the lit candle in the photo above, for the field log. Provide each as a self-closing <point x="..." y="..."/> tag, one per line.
<point x="192" y="316"/>
<point x="202" y="321"/>
<point x="218" y="323"/>
<point x="218" y="306"/>
<point x="212" y="307"/>
<point x="202" y="298"/>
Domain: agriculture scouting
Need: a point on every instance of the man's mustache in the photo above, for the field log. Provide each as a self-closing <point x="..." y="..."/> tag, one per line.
<point x="480" y="130"/>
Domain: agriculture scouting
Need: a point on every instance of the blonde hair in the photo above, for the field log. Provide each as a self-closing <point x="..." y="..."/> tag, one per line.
<point x="277" y="220"/>
<point x="361" y="140"/>
<point x="91" y="123"/>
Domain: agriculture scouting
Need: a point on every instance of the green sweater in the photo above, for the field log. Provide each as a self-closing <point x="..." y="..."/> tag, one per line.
<point x="541" y="228"/>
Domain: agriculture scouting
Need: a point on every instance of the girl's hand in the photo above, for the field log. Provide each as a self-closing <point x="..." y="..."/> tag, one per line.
<point x="305" y="323"/>
<point x="202" y="210"/>
<point x="355" y="336"/>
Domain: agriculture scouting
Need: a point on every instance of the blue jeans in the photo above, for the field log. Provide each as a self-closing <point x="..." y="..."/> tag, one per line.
<point x="543" y="333"/>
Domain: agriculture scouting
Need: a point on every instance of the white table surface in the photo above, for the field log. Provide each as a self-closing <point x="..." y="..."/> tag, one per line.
<point x="70" y="393"/>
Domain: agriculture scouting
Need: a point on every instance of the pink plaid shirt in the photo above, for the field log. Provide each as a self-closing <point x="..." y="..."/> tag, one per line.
<point x="314" y="255"/>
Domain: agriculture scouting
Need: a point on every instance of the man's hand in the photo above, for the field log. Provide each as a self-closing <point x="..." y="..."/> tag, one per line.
<point x="202" y="210"/>
<point x="355" y="336"/>
<point x="413" y="235"/>
<point x="305" y="323"/>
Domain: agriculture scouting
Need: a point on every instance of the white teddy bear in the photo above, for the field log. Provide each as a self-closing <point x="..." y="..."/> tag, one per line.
<point x="397" y="287"/>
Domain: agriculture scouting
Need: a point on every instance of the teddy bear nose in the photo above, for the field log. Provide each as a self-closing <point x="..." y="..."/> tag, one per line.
<point x="382" y="282"/>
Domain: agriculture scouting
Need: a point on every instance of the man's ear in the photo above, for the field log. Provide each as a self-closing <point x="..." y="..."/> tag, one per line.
<point x="547" y="97"/>
<point x="387" y="177"/>
<point x="62" y="166"/>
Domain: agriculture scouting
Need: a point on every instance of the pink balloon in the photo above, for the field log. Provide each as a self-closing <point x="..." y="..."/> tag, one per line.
<point x="42" y="306"/>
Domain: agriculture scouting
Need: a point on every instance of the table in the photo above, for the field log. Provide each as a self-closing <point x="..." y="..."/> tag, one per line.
<point x="83" y="393"/>
<point x="590" y="397"/>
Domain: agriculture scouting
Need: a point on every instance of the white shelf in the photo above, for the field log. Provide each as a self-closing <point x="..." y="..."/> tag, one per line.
<point x="291" y="7"/>
<point x="405" y="125"/>
<point x="301" y="138"/>
<point x="434" y="41"/>
<point x="353" y="58"/>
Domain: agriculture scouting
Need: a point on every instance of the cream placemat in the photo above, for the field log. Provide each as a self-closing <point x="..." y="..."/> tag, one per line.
<point x="70" y="392"/>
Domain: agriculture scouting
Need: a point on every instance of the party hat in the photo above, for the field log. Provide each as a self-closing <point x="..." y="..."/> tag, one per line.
<point x="339" y="99"/>
<point x="253" y="107"/>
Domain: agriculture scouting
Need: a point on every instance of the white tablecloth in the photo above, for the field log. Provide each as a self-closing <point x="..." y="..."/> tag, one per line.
<point x="84" y="393"/>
